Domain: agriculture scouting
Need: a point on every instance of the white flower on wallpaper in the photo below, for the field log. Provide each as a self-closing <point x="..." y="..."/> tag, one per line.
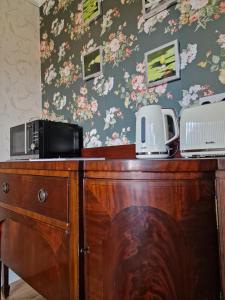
<point x="69" y="73"/>
<point x="50" y="74"/>
<point x="62" y="50"/>
<point x="89" y="47"/>
<point x="59" y="101"/>
<point x="77" y="27"/>
<point x="196" y="13"/>
<point x="108" y="18"/>
<point x="198" y="4"/>
<point x="83" y="107"/>
<point x="112" y="115"/>
<point x="57" y="27"/>
<point x="119" y="46"/>
<point x="148" y="26"/>
<point x="103" y="86"/>
<point x="49" y="4"/>
<point x="128" y="2"/>
<point x="63" y="4"/>
<point x="92" y="139"/>
<point x="195" y="92"/>
<point x="52" y="116"/>
<point x="221" y="40"/>
<point x="118" y="138"/>
<point x="188" y="55"/>
<point x="215" y="59"/>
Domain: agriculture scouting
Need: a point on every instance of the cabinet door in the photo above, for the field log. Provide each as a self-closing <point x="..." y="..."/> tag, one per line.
<point x="150" y="240"/>
<point x="221" y="220"/>
<point x="38" y="253"/>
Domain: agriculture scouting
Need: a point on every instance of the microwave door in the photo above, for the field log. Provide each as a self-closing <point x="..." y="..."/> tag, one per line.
<point x="17" y="141"/>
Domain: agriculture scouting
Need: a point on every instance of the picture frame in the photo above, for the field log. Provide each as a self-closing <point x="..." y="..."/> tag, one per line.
<point x="92" y="63"/>
<point x="91" y="10"/>
<point x="153" y="7"/>
<point x="163" y="64"/>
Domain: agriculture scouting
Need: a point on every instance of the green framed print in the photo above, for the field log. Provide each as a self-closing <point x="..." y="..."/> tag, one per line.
<point x="163" y="64"/>
<point x="91" y="10"/>
<point x="153" y="7"/>
<point x="92" y="63"/>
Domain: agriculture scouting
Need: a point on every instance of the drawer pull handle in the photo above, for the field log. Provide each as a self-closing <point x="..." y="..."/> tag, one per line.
<point x="42" y="195"/>
<point x="5" y="187"/>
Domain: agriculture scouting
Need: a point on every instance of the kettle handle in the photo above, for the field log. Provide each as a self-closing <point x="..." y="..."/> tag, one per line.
<point x="171" y="113"/>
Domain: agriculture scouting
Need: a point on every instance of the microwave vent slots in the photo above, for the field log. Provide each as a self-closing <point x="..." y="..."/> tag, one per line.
<point x="206" y="133"/>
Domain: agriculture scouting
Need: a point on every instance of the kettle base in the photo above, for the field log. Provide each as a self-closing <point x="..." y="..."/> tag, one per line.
<point x="152" y="155"/>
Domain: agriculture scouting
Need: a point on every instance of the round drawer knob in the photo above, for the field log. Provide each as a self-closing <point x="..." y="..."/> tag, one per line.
<point x="5" y="187"/>
<point x="42" y="195"/>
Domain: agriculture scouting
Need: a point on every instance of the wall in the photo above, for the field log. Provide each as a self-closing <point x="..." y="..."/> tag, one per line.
<point x="106" y="106"/>
<point x="20" y="87"/>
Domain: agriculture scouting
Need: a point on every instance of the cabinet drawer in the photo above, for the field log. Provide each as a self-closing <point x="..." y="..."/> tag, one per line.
<point x="44" y="195"/>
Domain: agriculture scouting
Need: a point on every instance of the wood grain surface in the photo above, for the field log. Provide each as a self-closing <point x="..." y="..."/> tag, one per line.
<point x="40" y="241"/>
<point x="24" y="189"/>
<point x="150" y="238"/>
<point x="220" y="187"/>
<point x="111" y="152"/>
<point x="144" y="229"/>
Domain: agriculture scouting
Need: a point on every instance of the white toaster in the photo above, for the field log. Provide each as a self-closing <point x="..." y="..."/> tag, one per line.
<point x="202" y="130"/>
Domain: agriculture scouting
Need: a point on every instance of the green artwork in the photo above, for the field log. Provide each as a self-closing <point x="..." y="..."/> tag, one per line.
<point x="91" y="10"/>
<point x="162" y="64"/>
<point x="92" y="64"/>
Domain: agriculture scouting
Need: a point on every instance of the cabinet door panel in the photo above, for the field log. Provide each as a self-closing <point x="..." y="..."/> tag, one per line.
<point x="38" y="253"/>
<point x="148" y="240"/>
<point x="221" y="217"/>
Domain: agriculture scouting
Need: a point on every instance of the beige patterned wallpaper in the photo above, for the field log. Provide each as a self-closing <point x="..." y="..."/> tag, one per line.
<point x="20" y="87"/>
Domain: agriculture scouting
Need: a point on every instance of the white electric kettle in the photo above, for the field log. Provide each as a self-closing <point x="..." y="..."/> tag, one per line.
<point x="152" y="133"/>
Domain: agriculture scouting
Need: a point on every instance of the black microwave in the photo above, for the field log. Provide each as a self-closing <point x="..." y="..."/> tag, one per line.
<point x="45" y="139"/>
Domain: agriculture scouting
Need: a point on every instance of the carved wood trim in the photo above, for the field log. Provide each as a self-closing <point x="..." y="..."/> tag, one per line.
<point x="35" y="216"/>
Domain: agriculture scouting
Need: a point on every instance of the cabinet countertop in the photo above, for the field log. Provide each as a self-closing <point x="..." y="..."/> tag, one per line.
<point x="117" y="165"/>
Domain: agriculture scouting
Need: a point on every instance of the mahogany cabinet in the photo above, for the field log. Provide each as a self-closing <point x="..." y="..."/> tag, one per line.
<point x="114" y="229"/>
<point x="220" y="184"/>
<point x="39" y="215"/>
<point x="150" y="230"/>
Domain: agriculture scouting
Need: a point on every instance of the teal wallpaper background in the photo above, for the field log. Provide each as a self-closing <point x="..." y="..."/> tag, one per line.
<point x="105" y="106"/>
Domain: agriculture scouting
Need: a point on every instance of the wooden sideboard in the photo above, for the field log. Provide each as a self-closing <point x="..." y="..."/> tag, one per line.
<point x="114" y="229"/>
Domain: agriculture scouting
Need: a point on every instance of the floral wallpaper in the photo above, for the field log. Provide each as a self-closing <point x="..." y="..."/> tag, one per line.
<point x="105" y="106"/>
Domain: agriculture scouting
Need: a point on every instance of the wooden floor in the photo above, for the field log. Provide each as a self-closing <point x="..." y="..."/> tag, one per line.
<point x="19" y="290"/>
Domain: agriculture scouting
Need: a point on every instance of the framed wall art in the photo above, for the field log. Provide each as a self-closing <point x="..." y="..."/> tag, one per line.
<point x="153" y="7"/>
<point x="91" y="10"/>
<point x="92" y="63"/>
<point x="163" y="64"/>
